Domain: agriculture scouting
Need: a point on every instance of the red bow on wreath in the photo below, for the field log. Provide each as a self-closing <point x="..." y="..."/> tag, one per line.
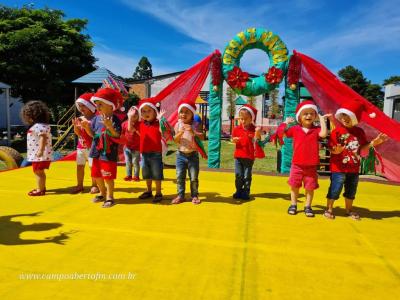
<point x="274" y="75"/>
<point x="237" y="79"/>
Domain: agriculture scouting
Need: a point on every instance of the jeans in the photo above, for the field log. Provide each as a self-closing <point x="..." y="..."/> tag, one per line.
<point x="132" y="158"/>
<point x="243" y="172"/>
<point x="338" y="180"/>
<point x="187" y="162"/>
<point x="152" y="166"/>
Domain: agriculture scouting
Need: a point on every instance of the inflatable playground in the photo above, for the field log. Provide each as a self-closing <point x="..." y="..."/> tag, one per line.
<point x="64" y="246"/>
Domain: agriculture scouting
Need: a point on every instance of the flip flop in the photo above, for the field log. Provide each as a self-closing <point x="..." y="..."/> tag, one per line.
<point x="108" y="203"/>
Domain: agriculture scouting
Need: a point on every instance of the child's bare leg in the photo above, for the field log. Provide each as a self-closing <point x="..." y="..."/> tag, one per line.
<point x="294" y="194"/>
<point x="40" y="180"/>
<point x="149" y="183"/>
<point x="101" y="186"/>
<point x="109" y="183"/>
<point x="309" y="197"/>
<point x="80" y="175"/>
<point x="158" y="186"/>
<point x="349" y="209"/>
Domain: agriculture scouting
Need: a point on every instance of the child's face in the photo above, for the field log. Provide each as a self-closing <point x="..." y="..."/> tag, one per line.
<point x="148" y="113"/>
<point x="86" y="112"/>
<point x="186" y="115"/>
<point x="244" y="117"/>
<point x="345" y="120"/>
<point x="134" y="118"/>
<point x="103" y="108"/>
<point x="307" y="117"/>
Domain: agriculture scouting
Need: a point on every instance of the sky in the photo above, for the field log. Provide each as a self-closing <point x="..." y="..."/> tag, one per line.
<point x="175" y="34"/>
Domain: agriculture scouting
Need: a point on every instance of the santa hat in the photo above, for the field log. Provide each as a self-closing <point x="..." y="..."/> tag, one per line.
<point x="152" y="102"/>
<point x="354" y="109"/>
<point x="305" y="105"/>
<point x="84" y="99"/>
<point x="190" y="105"/>
<point x="109" y="96"/>
<point x="251" y="109"/>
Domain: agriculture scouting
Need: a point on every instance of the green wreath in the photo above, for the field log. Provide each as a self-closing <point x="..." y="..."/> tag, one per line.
<point x="254" y="38"/>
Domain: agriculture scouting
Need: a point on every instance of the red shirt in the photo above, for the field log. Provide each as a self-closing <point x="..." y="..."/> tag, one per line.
<point x="348" y="161"/>
<point x="245" y="145"/>
<point x="132" y="138"/>
<point x="305" y="145"/>
<point x="150" y="137"/>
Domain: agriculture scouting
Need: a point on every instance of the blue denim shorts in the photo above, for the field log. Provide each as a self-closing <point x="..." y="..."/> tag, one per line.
<point x="152" y="166"/>
<point x="338" y="180"/>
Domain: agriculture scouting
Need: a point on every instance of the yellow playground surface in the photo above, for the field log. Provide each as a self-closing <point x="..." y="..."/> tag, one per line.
<point x="63" y="246"/>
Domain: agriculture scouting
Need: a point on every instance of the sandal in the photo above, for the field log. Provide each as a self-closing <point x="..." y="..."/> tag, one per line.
<point x="309" y="212"/>
<point x="98" y="198"/>
<point x="35" y="192"/>
<point x="157" y="198"/>
<point x="329" y="215"/>
<point x="178" y="200"/>
<point x="108" y="203"/>
<point x="353" y="215"/>
<point x="146" y="195"/>
<point x="292" y="210"/>
<point x="94" y="190"/>
<point x="196" y="200"/>
<point x="77" y="190"/>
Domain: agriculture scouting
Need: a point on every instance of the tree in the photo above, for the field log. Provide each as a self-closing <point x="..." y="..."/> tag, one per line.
<point x="251" y="100"/>
<point x="143" y="70"/>
<point x="355" y="79"/>
<point x="391" y="79"/>
<point x="41" y="53"/>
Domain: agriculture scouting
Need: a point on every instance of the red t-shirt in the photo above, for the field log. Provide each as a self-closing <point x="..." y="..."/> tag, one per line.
<point x="132" y="138"/>
<point x="305" y="145"/>
<point x="348" y="161"/>
<point x="150" y="137"/>
<point x="245" y="145"/>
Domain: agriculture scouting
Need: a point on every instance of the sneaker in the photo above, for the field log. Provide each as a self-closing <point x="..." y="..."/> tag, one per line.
<point x="128" y="178"/>
<point x="245" y="196"/>
<point x="157" y="198"/>
<point x="237" y="195"/>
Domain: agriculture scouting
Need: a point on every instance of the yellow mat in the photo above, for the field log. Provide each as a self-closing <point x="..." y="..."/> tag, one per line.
<point x="63" y="246"/>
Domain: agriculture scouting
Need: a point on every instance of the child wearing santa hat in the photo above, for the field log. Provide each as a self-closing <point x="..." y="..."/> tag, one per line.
<point x="130" y="132"/>
<point x="187" y="155"/>
<point x="245" y="136"/>
<point x="151" y="147"/>
<point x="347" y="141"/>
<point x="305" y="160"/>
<point x="105" y="129"/>
<point x="88" y="111"/>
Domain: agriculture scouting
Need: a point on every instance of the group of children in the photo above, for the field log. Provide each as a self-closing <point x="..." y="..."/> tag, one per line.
<point x="100" y="132"/>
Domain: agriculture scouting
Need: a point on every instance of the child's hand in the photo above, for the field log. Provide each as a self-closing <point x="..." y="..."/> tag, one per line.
<point x="85" y="123"/>
<point x="290" y="120"/>
<point x="187" y="127"/>
<point x="337" y="149"/>
<point x="160" y="114"/>
<point x="381" y="138"/>
<point x="107" y="121"/>
<point x="235" y="139"/>
<point x="258" y="129"/>
<point x="324" y="117"/>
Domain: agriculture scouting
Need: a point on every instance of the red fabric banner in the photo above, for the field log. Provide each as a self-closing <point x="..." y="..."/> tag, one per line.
<point x="329" y="93"/>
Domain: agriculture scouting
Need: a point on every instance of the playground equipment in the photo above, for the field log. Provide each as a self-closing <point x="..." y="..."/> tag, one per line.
<point x="10" y="157"/>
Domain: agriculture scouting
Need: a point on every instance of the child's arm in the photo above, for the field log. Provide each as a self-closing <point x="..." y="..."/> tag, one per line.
<point x="42" y="144"/>
<point x="322" y="120"/>
<point x="77" y="123"/>
<point x="107" y="121"/>
<point x="86" y="125"/>
<point x="381" y="138"/>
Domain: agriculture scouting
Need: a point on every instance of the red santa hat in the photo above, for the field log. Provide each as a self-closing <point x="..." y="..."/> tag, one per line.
<point x="84" y="99"/>
<point x="190" y="105"/>
<point x="250" y="109"/>
<point x="305" y="105"/>
<point x="152" y="102"/>
<point x="354" y="109"/>
<point x="109" y="96"/>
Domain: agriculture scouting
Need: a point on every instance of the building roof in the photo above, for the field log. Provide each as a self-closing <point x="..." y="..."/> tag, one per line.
<point x="97" y="76"/>
<point x="4" y="85"/>
<point x="240" y="101"/>
<point x="158" y="77"/>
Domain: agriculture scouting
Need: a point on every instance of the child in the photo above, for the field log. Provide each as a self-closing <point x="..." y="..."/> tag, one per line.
<point x="130" y="132"/>
<point x="347" y="141"/>
<point x="187" y="156"/>
<point x="105" y="129"/>
<point x="39" y="149"/>
<point x="246" y="137"/>
<point x="305" y="153"/>
<point x="88" y="110"/>
<point x="151" y="147"/>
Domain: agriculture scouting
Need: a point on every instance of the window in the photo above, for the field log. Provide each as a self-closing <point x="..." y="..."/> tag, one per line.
<point x="396" y="109"/>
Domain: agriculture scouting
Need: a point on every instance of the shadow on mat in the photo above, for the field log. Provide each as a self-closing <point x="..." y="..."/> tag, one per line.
<point x="364" y="212"/>
<point x="284" y="196"/>
<point x="10" y="231"/>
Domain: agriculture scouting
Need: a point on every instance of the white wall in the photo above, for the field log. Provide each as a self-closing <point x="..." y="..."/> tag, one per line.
<point x="391" y="91"/>
<point x="15" y="107"/>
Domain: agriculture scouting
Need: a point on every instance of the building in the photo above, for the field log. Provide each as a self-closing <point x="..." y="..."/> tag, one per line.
<point x="391" y="106"/>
